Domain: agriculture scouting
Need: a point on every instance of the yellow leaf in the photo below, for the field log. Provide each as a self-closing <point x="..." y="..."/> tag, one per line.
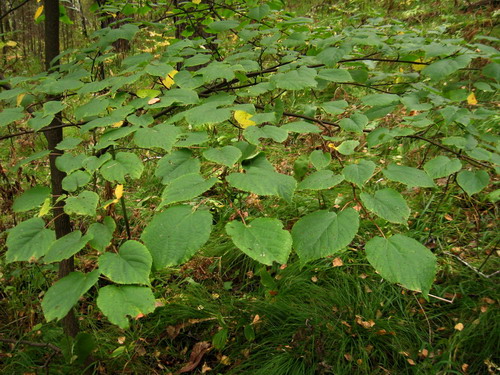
<point x="44" y="210"/>
<point x="243" y="118"/>
<point x="114" y="201"/>
<point x="169" y="79"/>
<point x="11" y="43"/>
<point x="117" y="124"/>
<point x="459" y="327"/>
<point x="19" y="99"/>
<point x="471" y="99"/>
<point x="38" y="12"/>
<point x="119" y="191"/>
<point x="196" y="1"/>
<point x="418" y="67"/>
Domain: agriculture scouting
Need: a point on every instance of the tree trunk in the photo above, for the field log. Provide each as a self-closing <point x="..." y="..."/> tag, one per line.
<point x="54" y="136"/>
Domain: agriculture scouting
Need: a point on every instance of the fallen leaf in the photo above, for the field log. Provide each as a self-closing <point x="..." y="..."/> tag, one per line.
<point x="364" y="323"/>
<point x="121" y="340"/>
<point x="199" y="350"/>
<point x="411" y="361"/>
<point x="205" y="368"/>
<point x="225" y="360"/>
<point x="459" y="327"/>
<point x="448" y="217"/>
<point x="314" y="279"/>
<point x="465" y="367"/>
<point x="337" y="262"/>
<point x="348" y="357"/>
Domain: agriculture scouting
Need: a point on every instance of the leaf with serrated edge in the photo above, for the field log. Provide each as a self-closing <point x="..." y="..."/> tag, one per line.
<point x="264" y="240"/>
<point x="388" y="204"/>
<point x="66" y="246"/>
<point x="403" y="260"/>
<point x="118" y="302"/>
<point x="174" y="235"/>
<point x="65" y="293"/>
<point x="131" y="265"/>
<point x="29" y="240"/>
<point x="323" y="233"/>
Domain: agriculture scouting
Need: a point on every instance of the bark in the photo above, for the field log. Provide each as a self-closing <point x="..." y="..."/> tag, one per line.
<point x="54" y="136"/>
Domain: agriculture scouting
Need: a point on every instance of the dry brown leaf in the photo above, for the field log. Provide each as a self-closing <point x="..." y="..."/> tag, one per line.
<point x="314" y="279"/>
<point x="459" y="326"/>
<point x="225" y="360"/>
<point x="364" y="323"/>
<point x="205" y="368"/>
<point x="411" y="361"/>
<point x="153" y="101"/>
<point x="465" y="367"/>
<point x="199" y="350"/>
<point x="121" y="340"/>
<point x="348" y="357"/>
<point x="423" y="353"/>
<point x="337" y="262"/>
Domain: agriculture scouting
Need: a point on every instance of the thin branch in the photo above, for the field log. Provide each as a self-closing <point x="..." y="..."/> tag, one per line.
<point x="32" y="343"/>
<point x="471" y="266"/>
<point x="8" y="136"/>
<point x="2" y="16"/>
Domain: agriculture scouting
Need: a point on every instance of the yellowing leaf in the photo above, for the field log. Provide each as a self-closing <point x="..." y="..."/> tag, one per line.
<point x="11" y="43"/>
<point x="19" y="99"/>
<point x="418" y="67"/>
<point x="243" y="118"/>
<point x="119" y="191"/>
<point x="44" y="210"/>
<point x="471" y="99"/>
<point x="117" y="124"/>
<point x="114" y="201"/>
<point x="196" y="1"/>
<point x="38" y="12"/>
<point x="169" y="79"/>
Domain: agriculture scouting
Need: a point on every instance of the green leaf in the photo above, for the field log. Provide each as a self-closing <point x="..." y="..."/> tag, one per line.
<point x="359" y="173"/>
<point x="335" y="108"/>
<point x="68" y="163"/>
<point x="403" y="260"/>
<point x="493" y="71"/>
<point x="124" y="164"/>
<point x="131" y="265"/>
<point x="192" y="139"/>
<point x="101" y="233"/>
<point x="118" y="302"/>
<point x="75" y="180"/>
<point x="296" y="79"/>
<point x="408" y="176"/>
<point x="264" y="182"/>
<point x="66" y="292"/>
<point x="347" y="147"/>
<point x="323" y="233"/>
<point x="442" y="166"/>
<point x="93" y="108"/>
<point x="223" y="25"/>
<point x="227" y="155"/>
<point x="9" y="115"/>
<point x="66" y="246"/>
<point x="163" y="136"/>
<point x="185" y="188"/>
<point x="301" y="127"/>
<point x="29" y="240"/>
<point x="388" y="204"/>
<point x="380" y="100"/>
<point x="175" y="165"/>
<point x="473" y="181"/>
<point x="335" y="75"/>
<point x="331" y="56"/>
<point x="254" y="133"/>
<point x="174" y="235"/>
<point x="263" y="240"/>
<point x="69" y="143"/>
<point x="83" y="204"/>
<point x="320" y="159"/>
<point x="440" y="69"/>
<point x="319" y="180"/>
<point x="31" y="199"/>
<point x="356" y="123"/>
